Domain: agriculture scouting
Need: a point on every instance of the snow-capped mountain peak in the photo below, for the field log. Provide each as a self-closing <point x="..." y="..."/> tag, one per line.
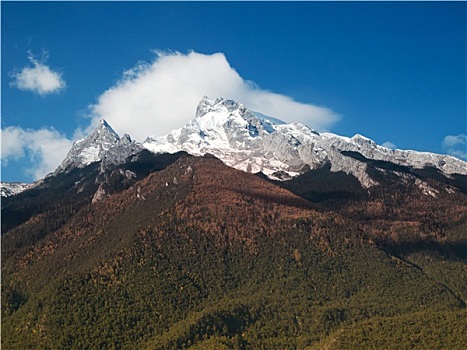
<point x="103" y="134"/>
<point x="243" y="139"/>
<point x="219" y="124"/>
<point x="103" y="144"/>
<point x="216" y="114"/>
<point x="207" y="105"/>
<point x="253" y="142"/>
<point x="91" y="148"/>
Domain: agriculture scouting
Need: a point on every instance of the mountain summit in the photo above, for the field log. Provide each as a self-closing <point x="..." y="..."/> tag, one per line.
<point x="90" y="149"/>
<point x="222" y="127"/>
<point x="103" y="144"/>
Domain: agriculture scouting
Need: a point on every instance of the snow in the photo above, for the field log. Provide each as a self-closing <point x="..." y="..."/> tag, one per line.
<point x="157" y="147"/>
<point x="90" y="155"/>
<point x="270" y="120"/>
<point x="13" y="188"/>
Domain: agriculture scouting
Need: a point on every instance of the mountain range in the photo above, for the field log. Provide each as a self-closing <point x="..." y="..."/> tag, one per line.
<point x="252" y="142"/>
<point x="237" y="231"/>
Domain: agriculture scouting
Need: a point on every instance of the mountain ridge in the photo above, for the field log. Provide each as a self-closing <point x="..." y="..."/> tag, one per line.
<point x="251" y="142"/>
<point x="254" y="143"/>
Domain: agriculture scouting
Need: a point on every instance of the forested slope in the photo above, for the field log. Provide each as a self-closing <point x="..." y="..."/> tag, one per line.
<point x="199" y="255"/>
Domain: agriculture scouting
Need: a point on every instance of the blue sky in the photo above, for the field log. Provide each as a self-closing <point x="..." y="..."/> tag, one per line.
<point x="392" y="71"/>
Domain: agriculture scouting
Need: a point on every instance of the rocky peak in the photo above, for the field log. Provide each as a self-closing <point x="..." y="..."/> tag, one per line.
<point x="364" y="141"/>
<point x="90" y="149"/>
<point x="120" y="151"/>
<point x="233" y="117"/>
<point x="103" y="134"/>
<point x="103" y="144"/>
<point x="125" y="140"/>
<point x="219" y="104"/>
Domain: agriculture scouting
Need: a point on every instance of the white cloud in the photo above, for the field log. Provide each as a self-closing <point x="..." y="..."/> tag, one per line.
<point x="451" y="141"/>
<point x="155" y="98"/>
<point x="455" y="145"/>
<point x="389" y="144"/>
<point x="45" y="148"/>
<point x="38" y="78"/>
<point x="12" y="144"/>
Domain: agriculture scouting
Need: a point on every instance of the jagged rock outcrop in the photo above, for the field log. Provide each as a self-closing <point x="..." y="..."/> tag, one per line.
<point x="90" y="149"/>
<point x="111" y="182"/>
<point x="119" y="152"/>
<point x="104" y="145"/>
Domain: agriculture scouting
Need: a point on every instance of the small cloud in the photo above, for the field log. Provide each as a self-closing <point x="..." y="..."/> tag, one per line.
<point x="155" y="98"/>
<point x="458" y="154"/>
<point x="45" y="148"/>
<point x="451" y="141"/>
<point x="455" y="145"/>
<point x="12" y="144"/>
<point x="389" y="144"/>
<point x="38" y="78"/>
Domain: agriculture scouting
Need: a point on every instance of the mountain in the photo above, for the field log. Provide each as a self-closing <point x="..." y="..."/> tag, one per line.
<point x="103" y="144"/>
<point x="203" y="256"/>
<point x="333" y="243"/>
<point x="255" y="143"/>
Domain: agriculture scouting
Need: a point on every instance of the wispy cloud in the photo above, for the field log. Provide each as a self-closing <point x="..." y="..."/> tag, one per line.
<point x="155" y="98"/>
<point x="456" y="145"/>
<point x="38" y="78"/>
<point x="389" y="144"/>
<point x="45" y="148"/>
